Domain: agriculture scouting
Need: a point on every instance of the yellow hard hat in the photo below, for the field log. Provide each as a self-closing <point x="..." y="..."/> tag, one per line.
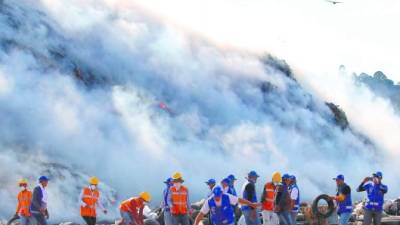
<point x="276" y="177"/>
<point x="145" y="196"/>
<point x="177" y="176"/>
<point x="23" y="181"/>
<point x="94" y="180"/>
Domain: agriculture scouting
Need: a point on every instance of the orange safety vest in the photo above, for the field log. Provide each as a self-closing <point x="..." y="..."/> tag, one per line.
<point x="24" y="202"/>
<point x="90" y="198"/>
<point x="179" y="200"/>
<point x="131" y="205"/>
<point x="268" y="203"/>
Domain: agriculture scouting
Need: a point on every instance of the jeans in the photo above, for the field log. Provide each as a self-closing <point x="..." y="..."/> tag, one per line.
<point x="270" y="218"/>
<point x="370" y="215"/>
<point x="40" y="219"/>
<point x="127" y="217"/>
<point x="167" y="218"/>
<point x="285" y="218"/>
<point x="24" y="220"/>
<point x="293" y="216"/>
<point x="89" y="220"/>
<point x="249" y="217"/>
<point x="180" y="219"/>
<point x="344" y="218"/>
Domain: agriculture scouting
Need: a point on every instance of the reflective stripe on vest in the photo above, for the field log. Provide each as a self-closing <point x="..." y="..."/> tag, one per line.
<point x="268" y="203"/>
<point x="179" y="200"/>
<point x="297" y="201"/>
<point x="223" y="214"/>
<point x="90" y="198"/>
<point x="24" y="202"/>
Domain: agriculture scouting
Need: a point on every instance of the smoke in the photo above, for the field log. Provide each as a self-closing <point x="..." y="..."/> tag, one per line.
<point x="105" y="89"/>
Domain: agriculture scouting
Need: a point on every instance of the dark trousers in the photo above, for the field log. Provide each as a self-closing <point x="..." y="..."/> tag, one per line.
<point x="40" y="219"/>
<point x="372" y="217"/>
<point x="89" y="220"/>
<point x="181" y="219"/>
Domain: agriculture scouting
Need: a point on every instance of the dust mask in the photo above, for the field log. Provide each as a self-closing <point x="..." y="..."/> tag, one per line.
<point x="92" y="187"/>
<point x="177" y="185"/>
<point x="23" y="188"/>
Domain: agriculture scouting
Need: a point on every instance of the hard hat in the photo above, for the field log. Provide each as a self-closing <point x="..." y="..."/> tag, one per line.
<point x="211" y="181"/>
<point x="285" y="176"/>
<point x="145" y="196"/>
<point x="339" y="177"/>
<point x="378" y="174"/>
<point x="43" y="178"/>
<point x="168" y="180"/>
<point x="252" y="174"/>
<point x="293" y="177"/>
<point x="94" y="180"/>
<point x="177" y="176"/>
<point x="232" y="177"/>
<point x="23" y="181"/>
<point x="217" y="191"/>
<point x="226" y="180"/>
<point x="276" y="177"/>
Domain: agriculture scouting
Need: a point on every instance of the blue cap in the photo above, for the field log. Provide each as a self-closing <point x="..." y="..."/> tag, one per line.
<point x="217" y="191"/>
<point x="378" y="174"/>
<point x="226" y="180"/>
<point x="292" y="177"/>
<point x="252" y="174"/>
<point x="211" y="181"/>
<point x="286" y="176"/>
<point x="168" y="180"/>
<point x="339" y="177"/>
<point x="43" y="178"/>
<point x="232" y="177"/>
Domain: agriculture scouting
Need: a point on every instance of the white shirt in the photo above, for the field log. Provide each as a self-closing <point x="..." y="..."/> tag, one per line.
<point x="294" y="193"/>
<point x="233" y="200"/>
<point x="44" y="193"/>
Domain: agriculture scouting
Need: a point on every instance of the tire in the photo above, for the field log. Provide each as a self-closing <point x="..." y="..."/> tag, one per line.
<point x="151" y="222"/>
<point x="331" y="207"/>
<point x="13" y="220"/>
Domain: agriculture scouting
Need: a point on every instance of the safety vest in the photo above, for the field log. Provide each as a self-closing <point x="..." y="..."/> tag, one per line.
<point x="131" y="205"/>
<point x="268" y="203"/>
<point x="90" y="198"/>
<point x="223" y="214"/>
<point x="345" y="206"/>
<point x="244" y="194"/>
<point x="179" y="200"/>
<point x="24" y="201"/>
<point x="375" y="196"/>
<point x="297" y="201"/>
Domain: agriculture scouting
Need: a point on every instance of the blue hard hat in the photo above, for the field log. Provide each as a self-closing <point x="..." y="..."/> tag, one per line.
<point x="378" y="174"/>
<point x="168" y="180"/>
<point x="292" y="177"/>
<point x="232" y="177"/>
<point x="217" y="191"/>
<point x="252" y="174"/>
<point x="226" y="180"/>
<point x="211" y="181"/>
<point x="43" y="178"/>
<point x="339" y="177"/>
<point x="286" y="176"/>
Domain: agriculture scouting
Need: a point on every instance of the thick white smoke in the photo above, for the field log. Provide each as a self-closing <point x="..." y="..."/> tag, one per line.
<point x="81" y="84"/>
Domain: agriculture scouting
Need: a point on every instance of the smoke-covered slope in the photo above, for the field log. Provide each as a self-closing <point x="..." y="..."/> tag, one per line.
<point x="104" y="89"/>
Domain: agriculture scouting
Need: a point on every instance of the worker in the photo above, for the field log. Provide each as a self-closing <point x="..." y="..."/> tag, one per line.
<point x="343" y="199"/>
<point x="283" y="204"/>
<point x="179" y="201"/>
<point x="375" y="192"/>
<point x="232" y="189"/>
<point x="90" y="200"/>
<point x="221" y="207"/>
<point x="24" y="201"/>
<point x="295" y="197"/>
<point x="132" y="209"/>
<point x="211" y="184"/>
<point x="225" y="184"/>
<point x="267" y="200"/>
<point x="249" y="193"/>
<point x="164" y="204"/>
<point x="39" y="201"/>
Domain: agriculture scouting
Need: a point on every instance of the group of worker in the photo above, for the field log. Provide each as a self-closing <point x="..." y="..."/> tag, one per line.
<point x="279" y="203"/>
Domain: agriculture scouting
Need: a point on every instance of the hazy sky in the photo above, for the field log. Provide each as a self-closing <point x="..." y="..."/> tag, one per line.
<point x="315" y="36"/>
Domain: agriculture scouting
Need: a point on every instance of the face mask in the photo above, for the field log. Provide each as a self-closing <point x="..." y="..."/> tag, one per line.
<point x="92" y="187"/>
<point x="177" y="185"/>
<point x="23" y="188"/>
<point x="276" y="183"/>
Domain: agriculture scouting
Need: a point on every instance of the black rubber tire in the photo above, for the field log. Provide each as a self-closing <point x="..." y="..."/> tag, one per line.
<point x="331" y="206"/>
<point x="12" y="220"/>
<point x="151" y="222"/>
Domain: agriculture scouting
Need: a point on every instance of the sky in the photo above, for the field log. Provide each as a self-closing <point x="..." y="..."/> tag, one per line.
<point x="360" y="34"/>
